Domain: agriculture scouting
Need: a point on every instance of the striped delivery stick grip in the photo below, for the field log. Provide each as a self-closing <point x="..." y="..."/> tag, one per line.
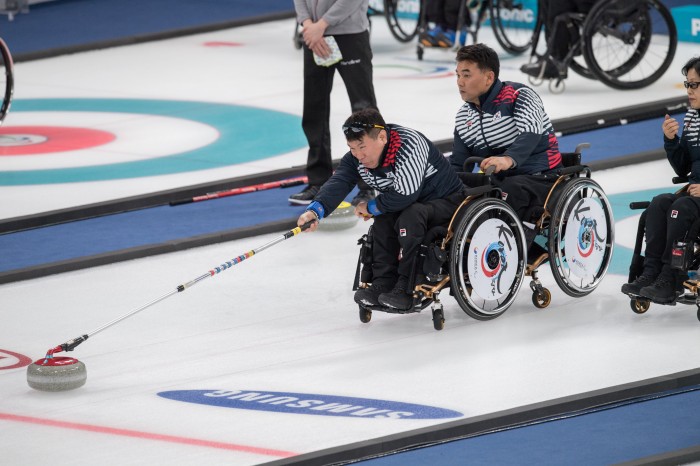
<point x="243" y="190"/>
<point x="71" y="344"/>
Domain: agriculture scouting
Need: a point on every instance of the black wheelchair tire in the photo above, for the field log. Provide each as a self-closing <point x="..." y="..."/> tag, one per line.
<point x="400" y="33"/>
<point x="506" y="40"/>
<point x="9" y="83"/>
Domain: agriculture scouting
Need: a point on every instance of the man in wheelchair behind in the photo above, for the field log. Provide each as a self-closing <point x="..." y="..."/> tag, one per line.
<point x="416" y="186"/>
<point x="670" y="216"/>
<point x="506" y="124"/>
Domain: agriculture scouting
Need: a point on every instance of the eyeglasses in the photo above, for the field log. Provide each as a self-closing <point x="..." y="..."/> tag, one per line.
<point x="359" y="127"/>
<point x="690" y="85"/>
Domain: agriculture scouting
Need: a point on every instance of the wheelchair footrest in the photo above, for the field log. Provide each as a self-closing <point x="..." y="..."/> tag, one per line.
<point x="391" y="310"/>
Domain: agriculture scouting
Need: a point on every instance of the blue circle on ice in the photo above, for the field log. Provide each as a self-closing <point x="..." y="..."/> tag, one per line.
<point x="246" y="134"/>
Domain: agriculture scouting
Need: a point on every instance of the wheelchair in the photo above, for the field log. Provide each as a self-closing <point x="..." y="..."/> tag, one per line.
<point x="625" y="44"/>
<point x="485" y="252"/>
<point x="511" y="22"/>
<point x="685" y="257"/>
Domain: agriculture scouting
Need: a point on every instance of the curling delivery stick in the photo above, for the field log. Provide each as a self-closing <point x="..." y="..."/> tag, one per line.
<point x="71" y="344"/>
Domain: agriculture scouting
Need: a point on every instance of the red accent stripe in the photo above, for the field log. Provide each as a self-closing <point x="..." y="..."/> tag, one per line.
<point x="147" y="435"/>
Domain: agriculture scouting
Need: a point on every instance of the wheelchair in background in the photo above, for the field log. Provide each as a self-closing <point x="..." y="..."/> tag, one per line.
<point x="625" y="44"/>
<point x="485" y="252"/>
<point x="685" y="257"/>
<point x="511" y="21"/>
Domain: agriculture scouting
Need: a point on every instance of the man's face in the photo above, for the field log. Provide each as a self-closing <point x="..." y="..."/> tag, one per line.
<point x="367" y="150"/>
<point x="472" y="82"/>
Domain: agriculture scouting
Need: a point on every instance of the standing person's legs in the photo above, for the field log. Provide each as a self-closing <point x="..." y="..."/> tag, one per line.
<point x="318" y="84"/>
<point x="357" y="73"/>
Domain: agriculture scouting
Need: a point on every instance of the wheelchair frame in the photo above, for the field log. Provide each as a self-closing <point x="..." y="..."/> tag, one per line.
<point x="691" y="295"/>
<point x="448" y="252"/>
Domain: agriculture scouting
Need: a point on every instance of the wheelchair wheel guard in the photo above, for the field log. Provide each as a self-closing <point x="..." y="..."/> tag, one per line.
<point x="581" y="237"/>
<point x="488" y="258"/>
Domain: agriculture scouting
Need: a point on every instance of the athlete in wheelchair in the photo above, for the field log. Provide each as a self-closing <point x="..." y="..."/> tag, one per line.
<point x="626" y="44"/>
<point x="485" y="252"/>
<point x="482" y="252"/>
<point x="671" y="222"/>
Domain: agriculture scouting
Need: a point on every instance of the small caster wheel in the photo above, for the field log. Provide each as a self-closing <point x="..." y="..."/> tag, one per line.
<point x="365" y="315"/>
<point x="535" y="81"/>
<point x="556" y="86"/>
<point x="419" y="52"/>
<point x="438" y="319"/>
<point x="698" y="313"/>
<point x="640" y="306"/>
<point x="542" y="298"/>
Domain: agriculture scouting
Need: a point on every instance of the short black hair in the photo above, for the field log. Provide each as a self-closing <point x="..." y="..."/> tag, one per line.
<point x="367" y="121"/>
<point x="693" y="64"/>
<point x="484" y="56"/>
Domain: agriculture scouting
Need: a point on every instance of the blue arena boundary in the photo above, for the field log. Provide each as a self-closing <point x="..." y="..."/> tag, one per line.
<point x="69" y="26"/>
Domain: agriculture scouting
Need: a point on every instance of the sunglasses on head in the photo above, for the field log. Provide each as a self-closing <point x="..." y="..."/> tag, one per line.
<point x="359" y="127"/>
<point x="690" y="85"/>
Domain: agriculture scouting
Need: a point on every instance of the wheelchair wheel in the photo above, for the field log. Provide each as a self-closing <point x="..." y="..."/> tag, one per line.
<point x="629" y="44"/>
<point x="6" y="79"/>
<point x="487" y="258"/>
<point x="581" y="237"/>
<point x="640" y="306"/>
<point x="403" y="18"/>
<point x="514" y="23"/>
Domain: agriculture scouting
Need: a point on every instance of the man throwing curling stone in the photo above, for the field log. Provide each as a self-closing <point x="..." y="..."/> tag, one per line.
<point x="416" y="186"/>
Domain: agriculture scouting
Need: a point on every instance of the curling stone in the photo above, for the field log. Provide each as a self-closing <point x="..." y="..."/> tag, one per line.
<point x="340" y="219"/>
<point x="56" y="374"/>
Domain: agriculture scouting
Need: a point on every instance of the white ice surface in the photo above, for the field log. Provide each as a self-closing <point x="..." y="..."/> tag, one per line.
<point x="284" y="320"/>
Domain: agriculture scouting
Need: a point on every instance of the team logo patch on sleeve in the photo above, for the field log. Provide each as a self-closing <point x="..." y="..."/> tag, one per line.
<point x="504" y="195"/>
<point x="674" y="214"/>
<point x="402" y="232"/>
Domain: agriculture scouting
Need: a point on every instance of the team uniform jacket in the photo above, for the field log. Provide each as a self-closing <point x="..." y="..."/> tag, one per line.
<point x="510" y="121"/>
<point x="411" y="169"/>
<point x="684" y="153"/>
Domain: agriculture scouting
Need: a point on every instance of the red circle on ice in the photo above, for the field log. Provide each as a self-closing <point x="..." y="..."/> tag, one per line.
<point x="34" y="140"/>
<point x="56" y="361"/>
<point x="20" y="360"/>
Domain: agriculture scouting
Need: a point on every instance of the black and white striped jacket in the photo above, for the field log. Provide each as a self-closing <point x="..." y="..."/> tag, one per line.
<point x="511" y="121"/>
<point x="684" y="153"/>
<point x="411" y="169"/>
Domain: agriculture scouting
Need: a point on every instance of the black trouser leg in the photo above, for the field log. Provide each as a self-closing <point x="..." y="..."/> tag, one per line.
<point x="681" y="215"/>
<point x="385" y="250"/>
<point x="318" y="84"/>
<point x="655" y="230"/>
<point x="413" y="224"/>
<point x="564" y="38"/>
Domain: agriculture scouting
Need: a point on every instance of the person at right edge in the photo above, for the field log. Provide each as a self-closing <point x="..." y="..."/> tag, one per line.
<point x="347" y="22"/>
<point x="670" y="215"/>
